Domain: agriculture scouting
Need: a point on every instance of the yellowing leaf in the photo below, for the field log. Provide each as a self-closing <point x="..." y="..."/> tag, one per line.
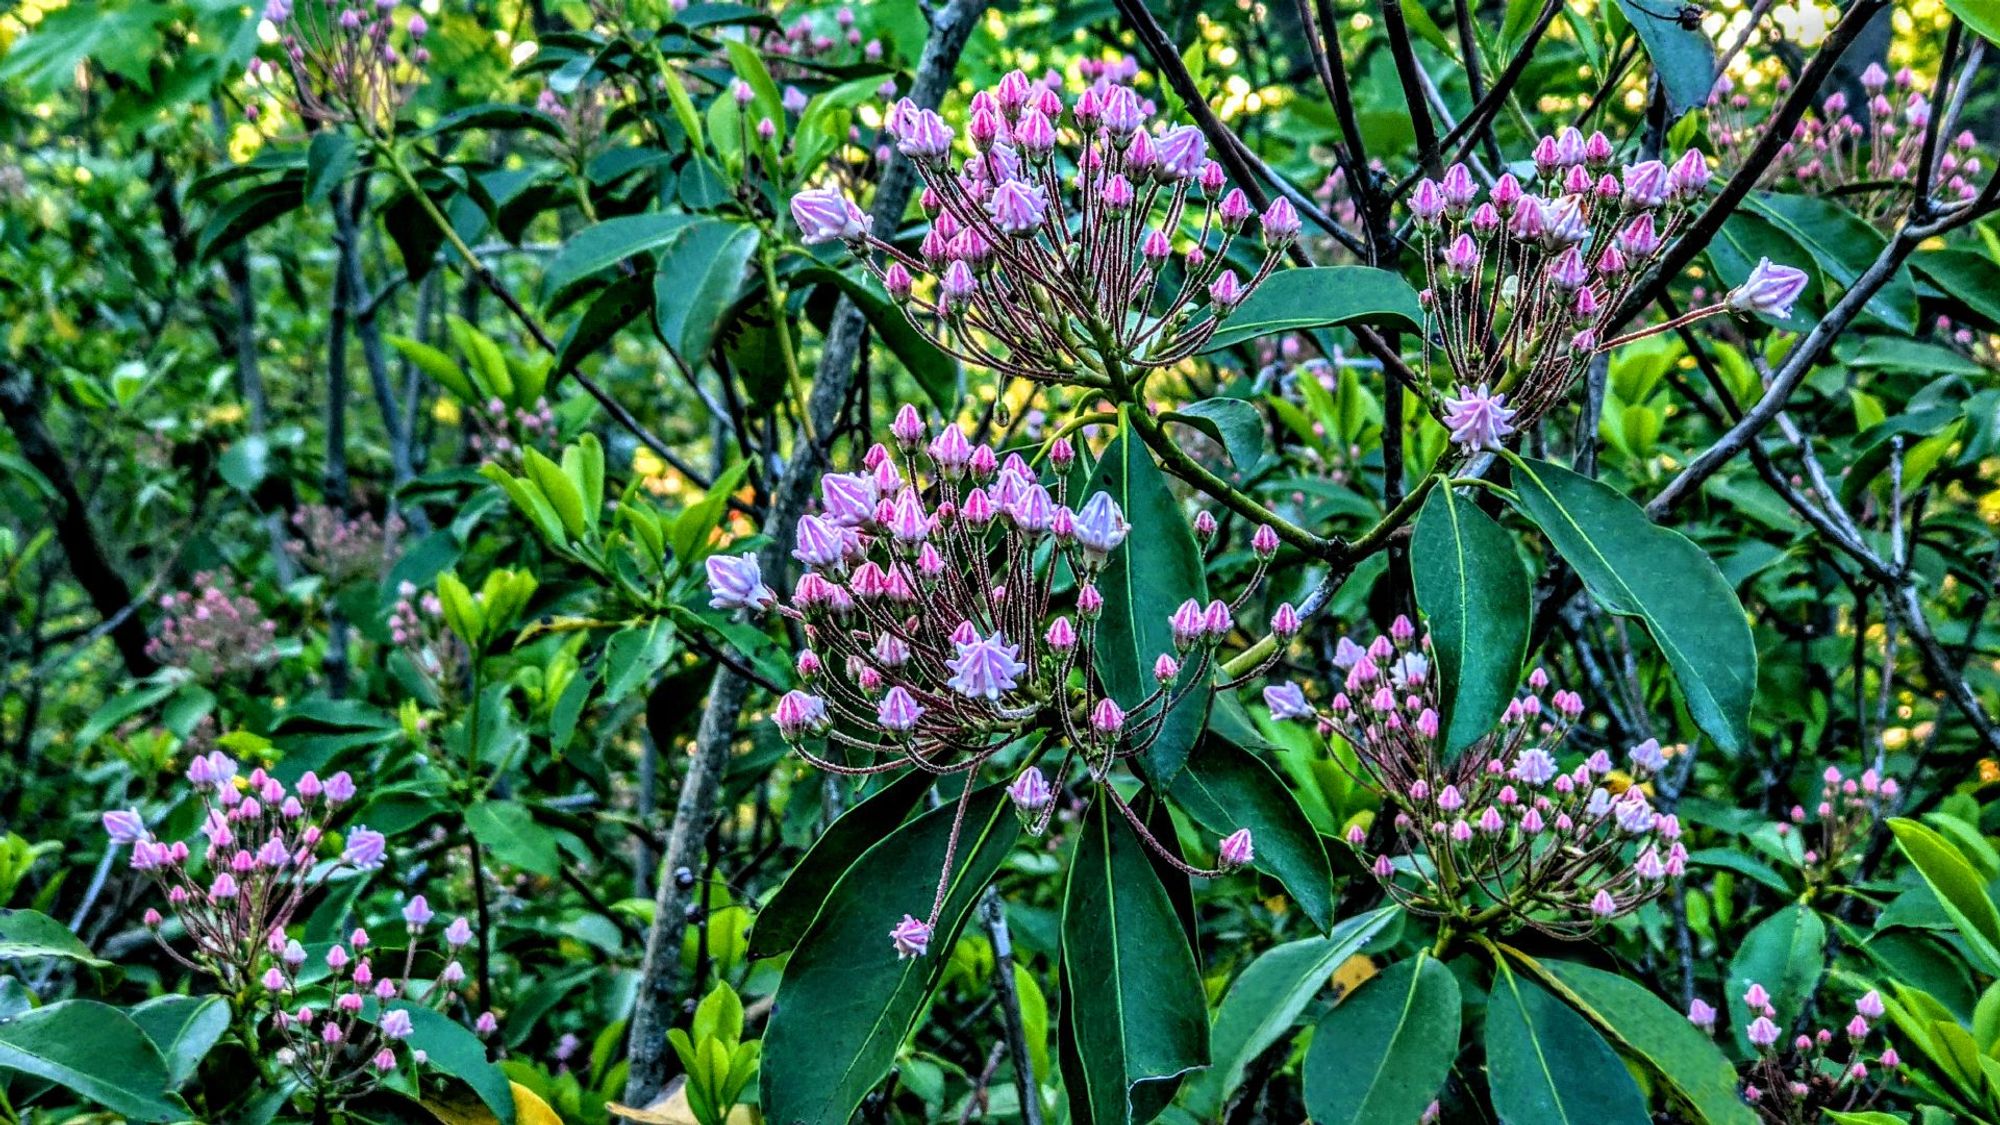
<point x="1352" y="974"/>
<point x="673" y="1110"/>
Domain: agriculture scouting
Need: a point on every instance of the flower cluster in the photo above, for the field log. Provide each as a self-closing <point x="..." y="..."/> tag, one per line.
<point x="940" y="629"/>
<point x="346" y="60"/>
<point x="339" y="547"/>
<point x="1500" y="833"/>
<point x="1832" y="835"/>
<point x="500" y="432"/>
<point x="1794" y="1083"/>
<point x="214" y="630"/>
<point x="259" y="861"/>
<point x="1070" y="242"/>
<point x="417" y="626"/>
<point x="341" y="1034"/>
<point x="1831" y="148"/>
<point x="1521" y="282"/>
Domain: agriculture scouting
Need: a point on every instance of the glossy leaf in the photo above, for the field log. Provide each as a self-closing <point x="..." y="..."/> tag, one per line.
<point x="1784" y="954"/>
<point x="846" y="1002"/>
<point x="698" y="279"/>
<point x="619" y="306"/>
<point x="1683" y="58"/>
<point x="1546" y="1066"/>
<point x="599" y="247"/>
<point x="508" y="830"/>
<point x="1635" y="568"/>
<point x="453" y="1050"/>
<point x="1958" y="887"/>
<point x="1158" y="567"/>
<point x="185" y="1029"/>
<point x="1296" y="300"/>
<point x="1225" y="787"/>
<point x="1267" y="999"/>
<point x="97" y="1052"/>
<point x="1232" y="423"/>
<point x="1844" y="247"/>
<point x="31" y="935"/>
<point x="1136" y="1011"/>
<point x="1382" y="1054"/>
<point x="1979" y="15"/>
<point x="1474" y="593"/>
<point x="1693" y="1068"/>
<point x="791" y="909"/>
<point x="935" y="371"/>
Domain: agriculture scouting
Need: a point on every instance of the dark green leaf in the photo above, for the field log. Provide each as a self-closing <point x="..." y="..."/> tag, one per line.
<point x="1232" y="423"/>
<point x="1783" y="954"/>
<point x="185" y="1029"/>
<point x="1143" y="582"/>
<point x="254" y="208"/>
<point x="28" y="935"/>
<point x="1967" y="278"/>
<point x="1381" y="1056"/>
<point x="1958" y="886"/>
<point x="935" y="371"/>
<point x="610" y="312"/>
<point x="330" y="159"/>
<point x="597" y="248"/>
<point x="698" y="279"/>
<point x="498" y="115"/>
<point x="634" y="655"/>
<point x="1692" y="1066"/>
<point x="1294" y="300"/>
<point x="1683" y="57"/>
<point x="1268" y="998"/>
<point x="455" y="1051"/>
<point x="508" y="830"/>
<point x="1546" y="1066"/>
<point x="1844" y="246"/>
<point x="1471" y="587"/>
<point x="1745" y="240"/>
<point x="1136" y="1009"/>
<point x="97" y="1052"/>
<point x="1636" y="568"/>
<point x="1225" y="787"/>
<point x="784" y="918"/>
<point x="846" y="1002"/>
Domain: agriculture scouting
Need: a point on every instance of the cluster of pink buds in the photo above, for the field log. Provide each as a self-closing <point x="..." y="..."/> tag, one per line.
<point x="417" y="626"/>
<point x="1521" y="282"/>
<point x="807" y="44"/>
<point x="1832" y="834"/>
<point x="348" y="60"/>
<point x="1501" y="832"/>
<point x="501" y="432"/>
<point x="1838" y="146"/>
<point x="1070" y="242"/>
<point x="259" y="860"/>
<point x="342" y="1036"/>
<point x="341" y="548"/>
<point x="938" y="632"/>
<point x="1796" y="1082"/>
<point x="582" y="114"/>
<point x="214" y="630"/>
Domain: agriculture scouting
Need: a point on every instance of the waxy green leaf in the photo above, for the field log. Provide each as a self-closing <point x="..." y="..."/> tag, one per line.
<point x="1472" y="589"/>
<point x="1380" y="1057"/>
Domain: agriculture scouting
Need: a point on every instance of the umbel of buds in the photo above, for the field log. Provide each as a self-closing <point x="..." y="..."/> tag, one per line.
<point x="1523" y="277"/>
<point x="348" y="60"/>
<point x="1071" y="241"/>
<point x="1499" y="835"/>
<point x="950" y="610"/>
<point x="1802" y="1077"/>
<point x="1831" y="834"/>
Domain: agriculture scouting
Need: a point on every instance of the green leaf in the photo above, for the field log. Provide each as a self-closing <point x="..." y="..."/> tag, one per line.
<point x="1693" y="1068"/>
<point x="439" y="366"/>
<point x="498" y="116"/>
<point x="847" y="1003"/>
<point x="1844" y="246"/>
<point x="783" y="920"/>
<point x="1979" y="15"/>
<point x="249" y="211"/>
<point x="698" y="279"/>
<point x="1683" y="57"/>
<point x="185" y="1029"/>
<point x="1784" y="954"/>
<point x="1136" y="1011"/>
<point x="455" y="1051"/>
<point x="95" y="1051"/>
<point x="330" y="159"/>
<point x="1470" y="585"/>
<point x="618" y="307"/>
<point x="125" y="40"/>
<point x="1958" y="887"/>
<point x="556" y="487"/>
<point x="1142" y="584"/>
<point x="1869" y="1116"/>
<point x="1636" y="568"/>
<point x="1226" y="787"/>
<point x="1966" y="277"/>
<point x="1382" y="1055"/>
<point x="935" y="371"/>
<point x="1546" y="1066"/>
<point x="698" y="521"/>
<point x="1295" y="300"/>
<point x="1232" y="423"/>
<point x="508" y="830"/>
<point x="28" y="935"/>
<point x="1744" y="240"/>
<point x="634" y="655"/>
<point x="599" y="247"/>
<point x="1267" y="998"/>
